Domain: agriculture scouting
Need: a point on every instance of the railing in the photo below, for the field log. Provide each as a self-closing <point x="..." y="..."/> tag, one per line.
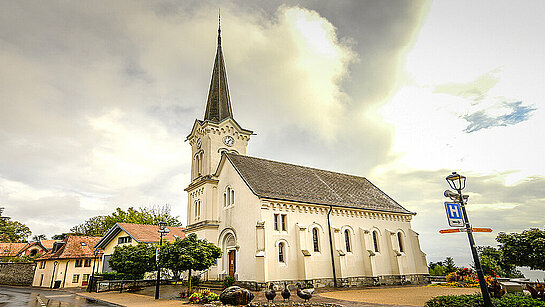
<point x="126" y="285"/>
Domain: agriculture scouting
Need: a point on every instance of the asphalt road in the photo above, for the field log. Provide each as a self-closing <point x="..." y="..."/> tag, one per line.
<point x="34" y="297"/>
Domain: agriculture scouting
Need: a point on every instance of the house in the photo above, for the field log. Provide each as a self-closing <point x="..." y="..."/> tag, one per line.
<point x="279" y="222"/>
<point x="126" y="233"/>
<point x="69" y="263"/>
<point x="11" y="249"/>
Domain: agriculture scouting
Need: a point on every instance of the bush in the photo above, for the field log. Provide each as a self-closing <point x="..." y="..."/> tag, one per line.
<point x="476" y="300"/>
<point x="204" y="296"/>
<point x="228" y="281"/>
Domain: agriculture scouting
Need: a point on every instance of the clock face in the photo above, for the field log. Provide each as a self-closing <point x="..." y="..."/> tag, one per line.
<point x="228" y="140"/>
<point x="199" y="143"/>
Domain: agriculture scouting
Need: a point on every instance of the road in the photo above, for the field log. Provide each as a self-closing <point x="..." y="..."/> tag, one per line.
<point x="34" y="297"/>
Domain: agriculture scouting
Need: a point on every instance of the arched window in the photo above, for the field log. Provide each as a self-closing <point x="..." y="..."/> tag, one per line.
<point x="375" y="241"/>
<point x="400" y="242"/>
<point x="315" y="242"/>
<point x="197" y="209"/>
<point x="228" y="197"/>
<point x="281" y="252"/>
<point x="347" y="240"/>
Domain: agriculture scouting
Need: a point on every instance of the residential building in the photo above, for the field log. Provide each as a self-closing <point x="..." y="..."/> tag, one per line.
<point x="126" y="233"/>
<point x="276" y="221"/>
<point x="69" y="263"/>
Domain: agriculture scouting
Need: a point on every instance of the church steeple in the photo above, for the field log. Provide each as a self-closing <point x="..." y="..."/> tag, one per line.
<point x="218" y="105"/>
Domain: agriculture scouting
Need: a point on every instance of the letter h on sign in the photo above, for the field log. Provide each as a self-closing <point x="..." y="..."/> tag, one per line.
<point x="454" y="214"/>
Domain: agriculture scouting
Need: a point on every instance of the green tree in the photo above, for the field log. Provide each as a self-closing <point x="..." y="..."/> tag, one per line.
<point x="449" y="265"/>
<point x="190" y="253"/>
<point x="12" y="231"/>
<point x="493" y="264"/>
<point x="523" y="249"/>
<point x="37" y="238"/>
<point x="133" y="260"/>
<point x="99" y="225"/>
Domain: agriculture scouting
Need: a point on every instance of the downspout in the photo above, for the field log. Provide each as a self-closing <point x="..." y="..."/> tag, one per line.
<point x="331" y="246"/>
<point x="53" y="274"/>
<point x="65" y="272"/>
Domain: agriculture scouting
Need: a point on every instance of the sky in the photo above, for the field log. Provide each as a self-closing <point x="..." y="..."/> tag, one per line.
<point x="97" y="99"/>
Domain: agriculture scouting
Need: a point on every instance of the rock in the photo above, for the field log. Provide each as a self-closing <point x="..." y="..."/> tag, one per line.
<point x="236" y="295"/>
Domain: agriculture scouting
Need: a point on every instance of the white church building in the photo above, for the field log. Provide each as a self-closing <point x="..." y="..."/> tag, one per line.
<point x="276" y="221"/>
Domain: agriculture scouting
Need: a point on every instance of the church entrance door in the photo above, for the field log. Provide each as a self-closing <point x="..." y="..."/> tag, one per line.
<point x="232" y="262"/>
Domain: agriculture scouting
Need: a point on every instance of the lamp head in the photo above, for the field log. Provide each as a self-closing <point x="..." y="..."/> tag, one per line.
<point x="456" y="181"/>
<point x="162" y="225"/>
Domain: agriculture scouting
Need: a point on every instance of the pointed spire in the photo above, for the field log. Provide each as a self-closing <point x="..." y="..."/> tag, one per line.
<point x="218" y="105"/>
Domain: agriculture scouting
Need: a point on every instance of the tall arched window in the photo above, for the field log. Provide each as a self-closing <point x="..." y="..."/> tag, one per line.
<point x="228" y="197"/>
<point x="315" y="242"/>
<point x="400" y="242"/>
<point x="197" y="209"/>
<point x="375" y="241"/>
<point x="281" y="252"/>
<point x="347" y="240"/>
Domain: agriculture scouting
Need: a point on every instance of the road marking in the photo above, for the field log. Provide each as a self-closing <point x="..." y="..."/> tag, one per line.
<point x="40" y="301"/>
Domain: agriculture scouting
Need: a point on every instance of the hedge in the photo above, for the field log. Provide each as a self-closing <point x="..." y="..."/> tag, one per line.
<point x="476" y="300"/>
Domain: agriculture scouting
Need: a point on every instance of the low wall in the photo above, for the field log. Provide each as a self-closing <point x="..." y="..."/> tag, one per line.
<point x="342" y="282"/>
<point x="17" y="273"/>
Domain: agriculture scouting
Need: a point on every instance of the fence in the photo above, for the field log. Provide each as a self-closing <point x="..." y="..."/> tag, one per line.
<point x="125" y="285"/>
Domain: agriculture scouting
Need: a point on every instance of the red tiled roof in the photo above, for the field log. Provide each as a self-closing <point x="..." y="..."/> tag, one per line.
<point x="150" y="234"/>
<point x="49" y="243"/>
<point x="73" y="247"/>
<point x="11" y="249"/>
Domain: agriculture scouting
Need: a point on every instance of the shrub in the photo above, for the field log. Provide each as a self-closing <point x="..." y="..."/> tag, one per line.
<point x="228" y="281"/>
<point x="476" y="300"/>
<point x="204" y="296"/>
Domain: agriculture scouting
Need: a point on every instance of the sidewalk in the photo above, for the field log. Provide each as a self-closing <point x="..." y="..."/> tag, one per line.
<point x="129" y="299"/>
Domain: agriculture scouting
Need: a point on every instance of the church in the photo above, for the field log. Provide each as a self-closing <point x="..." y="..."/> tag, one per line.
<point x="278" y="222"/>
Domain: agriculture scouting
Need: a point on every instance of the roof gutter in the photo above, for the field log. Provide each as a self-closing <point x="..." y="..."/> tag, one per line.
<point x="331" y="247"/>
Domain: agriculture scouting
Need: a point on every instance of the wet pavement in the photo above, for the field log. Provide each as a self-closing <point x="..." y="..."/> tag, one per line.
<point x="35" y="297"/>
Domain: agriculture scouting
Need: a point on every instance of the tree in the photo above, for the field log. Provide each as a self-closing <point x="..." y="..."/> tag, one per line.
<point x="133" y="260"/>
<point x="99" y="225"/>
<point x="523" y="249"/>
<point x="190" y="253"/>
<point x="450" y="266"/>
<point x="12" y="231"/>
<point x="37" y="238"/>
<point x="493" y="264"/>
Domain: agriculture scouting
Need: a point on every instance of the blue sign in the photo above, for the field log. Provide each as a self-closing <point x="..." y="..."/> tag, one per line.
<point x="454" y="214"/>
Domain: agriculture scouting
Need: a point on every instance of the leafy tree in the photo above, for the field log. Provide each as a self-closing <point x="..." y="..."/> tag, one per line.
<point x="450" y="266"/>
<point x="133" y="260"/>
<point x="37" y="238"/>
<point x="99" y="225"/>
<point x="493" y="264"/>
<point x="190" y="253"/>
<point x="523" y="249"/>
<point x="12" y="231"/>
<point x="61" y="236"/>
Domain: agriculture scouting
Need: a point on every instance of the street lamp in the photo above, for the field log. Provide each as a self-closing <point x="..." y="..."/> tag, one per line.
<point x="458" y="183"/>
<point x="162" y="231"/>
<point x="92" y="281"/>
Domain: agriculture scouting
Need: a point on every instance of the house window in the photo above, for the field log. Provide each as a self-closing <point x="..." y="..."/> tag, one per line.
<point x="347" y="240"/>
<point x="42" y="264"/>
<point x="375" y="241"/>
<point x="85" y="278"/>
<point x="75" y="278"/>
<point x="281" y="252"/>
<point x="33" y="252"/>
<point x="87" y="263"/>
<point x="280" y="222"/>
<point x="283" y="219"/>
<point x="232" y="197"/>
<point x="400" y="242"/>
<point x="276" y="222"/>
<point x="315" y="242"/>
<point x="123" y="240"/>
<point x="79" y="262"/>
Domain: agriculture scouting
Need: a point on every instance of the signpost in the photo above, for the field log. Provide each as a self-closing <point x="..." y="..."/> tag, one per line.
<point x="473" y="229"/>
<point x="454" y="214"/>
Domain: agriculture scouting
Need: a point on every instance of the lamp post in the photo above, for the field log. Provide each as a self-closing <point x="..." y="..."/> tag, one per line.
<point x="162" y="231"/>
<point x="458" y="182"/>
<point x="92" y="281"/>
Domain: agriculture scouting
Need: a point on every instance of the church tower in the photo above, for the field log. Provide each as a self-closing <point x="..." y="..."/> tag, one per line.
<point x="218" y="132"/>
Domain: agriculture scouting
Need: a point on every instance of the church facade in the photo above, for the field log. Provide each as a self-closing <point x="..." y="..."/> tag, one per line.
<point x="279" y="222"/>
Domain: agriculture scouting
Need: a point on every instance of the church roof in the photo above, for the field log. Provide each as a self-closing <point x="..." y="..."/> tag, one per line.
<point x="283" y="181"/>
<point x="218" y="105"/>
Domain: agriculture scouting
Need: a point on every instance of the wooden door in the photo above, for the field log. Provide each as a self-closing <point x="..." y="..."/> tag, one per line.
<point x="232" y="263"/>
